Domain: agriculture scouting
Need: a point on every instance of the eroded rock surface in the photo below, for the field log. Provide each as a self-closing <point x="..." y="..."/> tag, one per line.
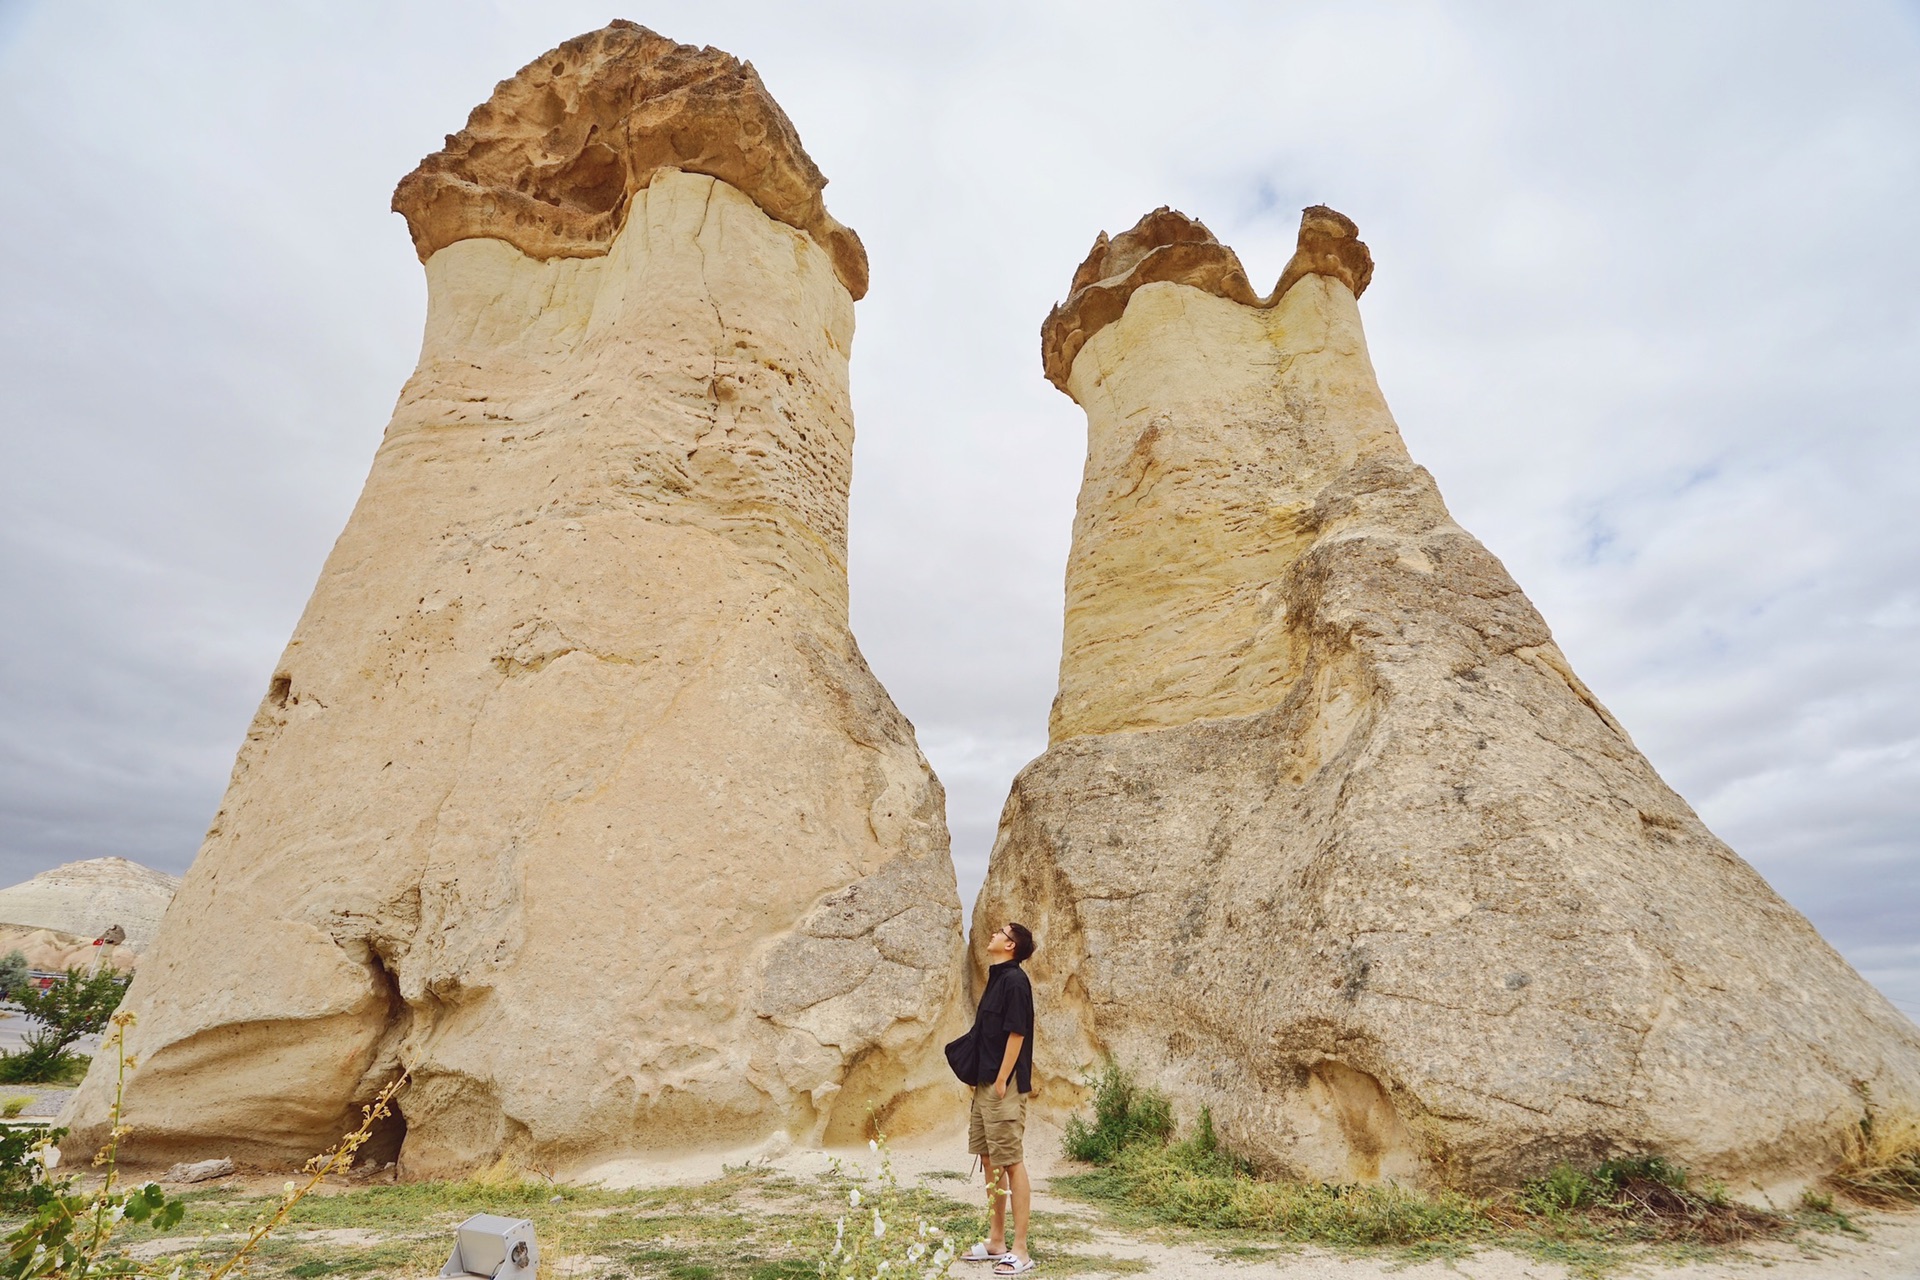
<point x="572" y="794"/>
<point x="551" y="162"/>
<point x="1329" y="838"/>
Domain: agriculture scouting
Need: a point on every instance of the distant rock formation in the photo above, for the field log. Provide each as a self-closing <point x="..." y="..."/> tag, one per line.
<point x="55" y="951"/>
<point x="572" y="794"/>
<point x="83" y="900"/>
<point x="1329" y="838"/>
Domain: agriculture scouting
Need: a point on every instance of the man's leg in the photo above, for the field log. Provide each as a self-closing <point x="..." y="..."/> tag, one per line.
<point x="996" y="1209"/>
<point x="1020" y="1192"/>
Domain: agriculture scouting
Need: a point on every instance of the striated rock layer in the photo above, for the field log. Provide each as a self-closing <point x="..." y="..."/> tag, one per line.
<point x="1329" y="838"/>
<point x="572" y="794"/>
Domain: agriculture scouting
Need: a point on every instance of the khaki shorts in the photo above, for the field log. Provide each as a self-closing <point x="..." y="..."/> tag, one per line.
<point x="996" y="1126"/>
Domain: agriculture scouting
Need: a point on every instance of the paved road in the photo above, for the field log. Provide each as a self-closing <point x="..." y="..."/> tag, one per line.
<point x="14" y="1029"/>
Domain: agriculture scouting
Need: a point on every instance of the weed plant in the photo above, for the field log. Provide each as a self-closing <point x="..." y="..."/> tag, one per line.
<point x="881" y="1235"/>
<point x="1124" y="1115"/>
<point x="1881" y="1164"/>
<point x="1584" y="1219"/>
<point x="23" y="1183"/>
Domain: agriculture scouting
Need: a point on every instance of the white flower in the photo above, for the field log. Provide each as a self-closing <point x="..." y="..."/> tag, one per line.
<point x="840" y="1227"/>
<point x="879" y="1227"/>
<point x="873" y="1144"/>
<point x="853" y="1197"/>
<point x="287" y="1188"/>
<point x="49" y="1157"/>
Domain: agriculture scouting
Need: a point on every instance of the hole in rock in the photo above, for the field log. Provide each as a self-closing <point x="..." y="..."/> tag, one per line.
<point x="383" y="1146"/>
<point x="389" y="1132"/>
<point x="277" y="691"/>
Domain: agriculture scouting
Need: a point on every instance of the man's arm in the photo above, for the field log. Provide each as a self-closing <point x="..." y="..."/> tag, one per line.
<point x="1007" y="1059"/>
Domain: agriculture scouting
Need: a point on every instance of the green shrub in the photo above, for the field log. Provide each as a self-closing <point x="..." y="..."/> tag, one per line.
<point x="44" y="1059"/>
<point x="78" y="1004"/>
<point x="1619" y="1171"/>
<point x="1124" y="1114"/>
<point x="22" y="1184"/>
<point x="1562" y="1191"/>
<point x="1610" y="1184"/>
<point x="13" y="973"/>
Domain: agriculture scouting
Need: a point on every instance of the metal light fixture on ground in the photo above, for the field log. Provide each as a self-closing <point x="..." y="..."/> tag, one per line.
<point x="489" y="1245"/>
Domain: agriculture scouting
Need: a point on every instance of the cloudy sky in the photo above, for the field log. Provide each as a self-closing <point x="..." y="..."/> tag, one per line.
<point x="1647" y="303"/>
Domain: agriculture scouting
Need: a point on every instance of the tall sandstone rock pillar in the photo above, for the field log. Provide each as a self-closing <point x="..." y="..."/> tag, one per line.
<point x="572" y="794"/>
<point x="1329" y="838"/>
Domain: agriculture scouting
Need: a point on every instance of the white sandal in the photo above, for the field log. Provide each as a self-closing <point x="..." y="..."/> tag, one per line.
<point x="1014" y="1266"/>
<point x="980" y="1253"/>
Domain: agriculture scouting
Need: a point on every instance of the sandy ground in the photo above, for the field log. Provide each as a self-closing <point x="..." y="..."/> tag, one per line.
<point x="1891" y="1253"/>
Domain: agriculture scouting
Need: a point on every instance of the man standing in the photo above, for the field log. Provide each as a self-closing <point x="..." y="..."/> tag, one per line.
<point x="996" y="1124"/>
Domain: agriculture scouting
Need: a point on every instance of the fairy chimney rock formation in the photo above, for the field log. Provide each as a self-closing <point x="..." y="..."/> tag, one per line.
<point x="1329" y="838"/>
<point x="572" y="795"/>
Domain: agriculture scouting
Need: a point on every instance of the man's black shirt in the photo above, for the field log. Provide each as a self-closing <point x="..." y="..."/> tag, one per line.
<point x="1006" y="1008"/>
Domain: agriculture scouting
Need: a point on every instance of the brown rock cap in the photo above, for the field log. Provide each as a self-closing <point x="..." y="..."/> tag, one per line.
<point x="550" y="161"/>
<point x="1168" y="245"/>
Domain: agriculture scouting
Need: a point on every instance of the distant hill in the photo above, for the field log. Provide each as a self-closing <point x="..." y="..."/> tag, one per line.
<point x="85" y="899"/>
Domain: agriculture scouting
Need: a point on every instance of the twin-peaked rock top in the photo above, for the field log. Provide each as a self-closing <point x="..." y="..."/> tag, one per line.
<point x="1169" y="246"/>
<point x="1329" y="838"/>
<point x="571" y="794"/>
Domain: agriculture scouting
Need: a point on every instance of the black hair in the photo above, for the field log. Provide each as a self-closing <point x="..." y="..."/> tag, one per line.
<point x="1023" y="943"/>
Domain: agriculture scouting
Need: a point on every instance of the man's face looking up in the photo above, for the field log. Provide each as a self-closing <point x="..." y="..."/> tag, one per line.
<point x="1000" y="945"/>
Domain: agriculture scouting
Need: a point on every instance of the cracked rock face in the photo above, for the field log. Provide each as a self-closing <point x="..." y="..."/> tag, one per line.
<point x="1329" y="838"/>
<point x="572" y="794"/>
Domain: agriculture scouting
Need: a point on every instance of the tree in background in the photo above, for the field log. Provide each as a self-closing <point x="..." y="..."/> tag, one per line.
<point x="77" y="1005"/>
<point x="13" y="973"/>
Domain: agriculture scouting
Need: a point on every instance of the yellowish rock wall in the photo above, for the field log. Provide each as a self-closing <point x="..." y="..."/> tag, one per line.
<point x="1330" y="840"/>
<point x="572" y="795"/>
<point x="1192" y="508"/>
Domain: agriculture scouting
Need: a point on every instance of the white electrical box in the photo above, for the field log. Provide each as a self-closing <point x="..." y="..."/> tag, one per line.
<point x="499" y="1248"/>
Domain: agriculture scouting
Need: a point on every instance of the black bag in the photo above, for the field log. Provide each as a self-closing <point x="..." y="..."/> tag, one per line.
<point x="963" y="1055"/>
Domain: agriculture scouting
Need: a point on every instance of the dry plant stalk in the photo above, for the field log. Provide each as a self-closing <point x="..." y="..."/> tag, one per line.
<point x="1881" y="1164"/>
<point x="336" y="1159"/>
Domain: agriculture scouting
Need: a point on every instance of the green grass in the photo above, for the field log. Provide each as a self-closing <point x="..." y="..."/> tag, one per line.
<point x="1594" y="1221"/>
<point x="750" y="1224"/>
